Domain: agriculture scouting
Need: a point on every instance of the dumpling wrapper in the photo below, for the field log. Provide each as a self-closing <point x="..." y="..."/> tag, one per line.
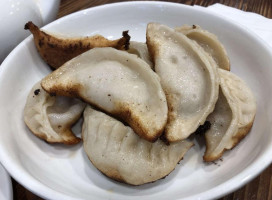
<point x="209" y="42"/>
<point x="51" y="117"/>
<point x="140" y="49"/>
<point x="118" y="83"/>
<point x="56" y="51"/>
<point x="116" y="151"/>
<point x="232" y="118"/>
<point x="188" y="76"/>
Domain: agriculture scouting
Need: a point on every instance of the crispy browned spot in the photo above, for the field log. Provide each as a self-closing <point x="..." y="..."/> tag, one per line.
<point x="242" y="132"/>
<point x="123" y="112"/>
<point x="71" y="90"/>
<point x="56" y="51"/>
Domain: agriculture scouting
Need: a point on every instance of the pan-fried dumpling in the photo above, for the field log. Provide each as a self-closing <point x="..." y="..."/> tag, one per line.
<point x="140" y="49"/>
<point x="209" y="42"/>
<point x="56" y="51"/>
<point x="51" y="117"/>
<point x="232" y="117"/>
<point x="118" y="83"/>
<point x="120" y="154"/>
<point x="244" y="98"/>
<point x="188" y="76"/>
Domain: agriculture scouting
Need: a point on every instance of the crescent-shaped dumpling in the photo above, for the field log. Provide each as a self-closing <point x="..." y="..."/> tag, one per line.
<point x="188" y="76"/>
<point x="209" y="42"/>
<point x="140" y="49"/>
<point x="244" y="98"/>
<point x="56" y="51"/>
<point x="118" y="83"/>
<point x="232" y="117"/>
<point x="51" y="117"/>
<point x="116" y="151"/>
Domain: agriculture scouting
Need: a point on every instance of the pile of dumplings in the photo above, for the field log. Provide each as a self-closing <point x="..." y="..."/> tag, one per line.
<point x="141" y="103"/>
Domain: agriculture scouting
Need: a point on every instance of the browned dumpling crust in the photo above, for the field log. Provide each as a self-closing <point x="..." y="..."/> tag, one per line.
<point x="55" y="51"/>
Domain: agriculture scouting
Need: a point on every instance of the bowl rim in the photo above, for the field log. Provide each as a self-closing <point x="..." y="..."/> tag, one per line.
<point x="6" y="181"/>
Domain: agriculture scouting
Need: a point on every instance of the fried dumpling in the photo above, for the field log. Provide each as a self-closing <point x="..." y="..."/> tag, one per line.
<point x="209" y="42"/>
<point x="188" y="76"/>
<point x="51" y="117"/>
<point x="232" y="117"/>
<point x="140" y="49"/>
<point x="55" y="51"/>
<point x="118" y="83"/>
<point x="116" y="151"/>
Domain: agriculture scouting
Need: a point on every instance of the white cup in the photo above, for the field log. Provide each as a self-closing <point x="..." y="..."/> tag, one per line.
<point x="14" y="14"/>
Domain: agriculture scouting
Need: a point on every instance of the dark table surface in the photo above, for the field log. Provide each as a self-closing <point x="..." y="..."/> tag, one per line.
<point x="258" y="188"/>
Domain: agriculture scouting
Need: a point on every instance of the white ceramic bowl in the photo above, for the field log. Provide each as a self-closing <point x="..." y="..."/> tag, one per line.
<point x="60" y="172"/>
